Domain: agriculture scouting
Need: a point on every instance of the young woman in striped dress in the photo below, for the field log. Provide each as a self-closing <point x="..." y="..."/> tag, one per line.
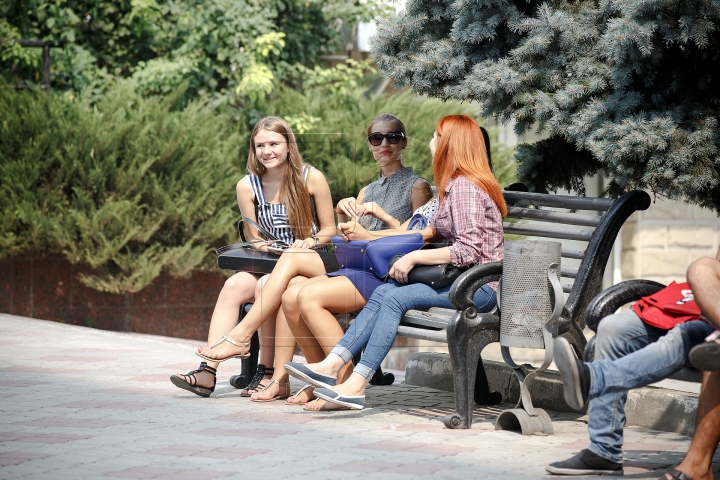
<point x="289" y="199"/>
<point x="383" y="206"/>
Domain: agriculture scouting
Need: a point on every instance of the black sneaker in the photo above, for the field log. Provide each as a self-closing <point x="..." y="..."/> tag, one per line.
<point x="585" y="463"/>
<point x="575" y="374"/>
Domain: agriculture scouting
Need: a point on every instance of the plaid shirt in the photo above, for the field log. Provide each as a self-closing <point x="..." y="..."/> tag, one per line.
<point x="471" y="223"/>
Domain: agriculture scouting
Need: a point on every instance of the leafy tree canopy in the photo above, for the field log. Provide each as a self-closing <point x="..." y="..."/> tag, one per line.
<point x="219" y="47"/>
<point x="625" y="88"/>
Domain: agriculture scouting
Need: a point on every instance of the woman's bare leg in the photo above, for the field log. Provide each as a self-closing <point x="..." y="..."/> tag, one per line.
<point x="238" y="289"/>
<point x="292" y="263"/>
<point x="284" y="344"/>
<point x="317" y="302"/>
<point x="266" y="331"/>
<point x="303" y="336"/>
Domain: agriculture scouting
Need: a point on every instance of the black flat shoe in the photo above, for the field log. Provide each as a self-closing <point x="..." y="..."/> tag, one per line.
<point x="585" y="463"/>
<point x="181" y="381"/>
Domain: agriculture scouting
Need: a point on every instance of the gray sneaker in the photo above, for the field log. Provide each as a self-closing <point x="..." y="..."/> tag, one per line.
<point x="585" y="463"/>
<point x="574" y="373"/>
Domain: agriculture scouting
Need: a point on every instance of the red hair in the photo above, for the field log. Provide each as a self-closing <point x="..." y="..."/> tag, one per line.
<point x="461" y="151"/>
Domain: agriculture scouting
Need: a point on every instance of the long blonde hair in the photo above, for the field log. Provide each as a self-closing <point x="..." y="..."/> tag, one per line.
<point x="294" y="192"/>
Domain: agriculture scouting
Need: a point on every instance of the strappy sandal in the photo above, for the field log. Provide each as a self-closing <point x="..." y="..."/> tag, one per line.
<point x="676" y="475"/>
<point x="229" y="340"/>
<point x="192" y="386"/>
<point x="298" y="393"/>
<point x="282" y="385"/>
<point x="256" y="381"/>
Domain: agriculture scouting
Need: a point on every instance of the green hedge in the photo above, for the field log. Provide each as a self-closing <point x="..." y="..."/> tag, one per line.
<point x="133" y="186"/>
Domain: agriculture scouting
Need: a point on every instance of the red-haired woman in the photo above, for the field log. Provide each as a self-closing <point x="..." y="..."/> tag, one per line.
<point x="469" y="217"/>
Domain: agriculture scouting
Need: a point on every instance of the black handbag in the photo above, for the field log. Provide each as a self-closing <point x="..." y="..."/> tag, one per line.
<point x="436" y="276"/>
<point x="243" y="257"/>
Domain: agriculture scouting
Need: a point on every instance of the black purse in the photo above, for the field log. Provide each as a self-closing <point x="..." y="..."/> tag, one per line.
<point x="436" y="276"/>
<point x="243" y="257"/>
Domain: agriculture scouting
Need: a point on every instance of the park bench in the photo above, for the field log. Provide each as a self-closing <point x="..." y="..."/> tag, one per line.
<point x="467" y="332"/>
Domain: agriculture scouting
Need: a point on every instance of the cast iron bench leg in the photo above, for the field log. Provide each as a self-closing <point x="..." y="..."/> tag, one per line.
<point x="467" y="337"/>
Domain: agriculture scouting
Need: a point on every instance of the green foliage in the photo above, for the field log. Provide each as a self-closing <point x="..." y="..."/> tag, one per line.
<point x="335" y="131"/>
<point x="628" y="89"/>
<point x="133" y="186"/>
<point x="130" y="187"/>
<point x="343" y="78"/>
<point x="213" y="46"/>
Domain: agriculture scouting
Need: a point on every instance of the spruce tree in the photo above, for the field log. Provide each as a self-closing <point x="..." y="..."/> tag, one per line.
<point x="629" y="89"/>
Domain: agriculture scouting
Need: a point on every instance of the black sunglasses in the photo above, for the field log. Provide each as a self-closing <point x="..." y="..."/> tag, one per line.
<point x="393" y="138"/>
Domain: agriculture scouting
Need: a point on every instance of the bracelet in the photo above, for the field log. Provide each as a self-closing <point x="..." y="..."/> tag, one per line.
<point x="317" y="241"/>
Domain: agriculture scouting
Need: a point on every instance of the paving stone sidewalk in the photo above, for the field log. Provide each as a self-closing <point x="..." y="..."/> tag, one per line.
<point x="84" y="403"/>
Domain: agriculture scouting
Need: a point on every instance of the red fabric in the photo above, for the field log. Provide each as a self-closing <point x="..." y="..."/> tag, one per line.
<point x="672" y="305"/>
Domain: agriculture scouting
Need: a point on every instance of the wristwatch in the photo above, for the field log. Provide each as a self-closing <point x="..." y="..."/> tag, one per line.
<point x="317" y="241"/>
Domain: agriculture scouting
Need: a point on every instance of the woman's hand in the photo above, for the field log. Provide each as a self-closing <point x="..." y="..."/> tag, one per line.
<point x="353" y="231"/>
<point x="401" y="268"/>
<point x="372" y="209"/>
<point x="348" y="206"/>
<point x="305" y="244"/>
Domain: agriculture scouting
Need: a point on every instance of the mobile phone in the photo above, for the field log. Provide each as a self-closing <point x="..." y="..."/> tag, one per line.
<point x="277" y="247"/>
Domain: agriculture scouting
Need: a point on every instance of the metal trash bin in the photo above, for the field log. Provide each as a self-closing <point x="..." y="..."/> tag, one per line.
<point x="531" y="301"/>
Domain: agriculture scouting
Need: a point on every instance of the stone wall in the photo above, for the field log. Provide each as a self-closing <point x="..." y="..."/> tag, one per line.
<point x="659" y="243"/>
<point x="47" y="288"/>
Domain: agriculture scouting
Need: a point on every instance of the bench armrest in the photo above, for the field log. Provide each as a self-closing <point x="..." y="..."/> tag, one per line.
<point x="608" y="301"/>
<point x="464" y="288"/>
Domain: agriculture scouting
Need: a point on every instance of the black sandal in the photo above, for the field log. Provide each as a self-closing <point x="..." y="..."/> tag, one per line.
<point x="192" y="386"/>
<point x="677" y="475"/>
<point x="252" y="387"/>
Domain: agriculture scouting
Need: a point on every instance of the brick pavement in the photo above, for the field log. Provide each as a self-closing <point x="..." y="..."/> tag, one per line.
<point x="85" y="403"/>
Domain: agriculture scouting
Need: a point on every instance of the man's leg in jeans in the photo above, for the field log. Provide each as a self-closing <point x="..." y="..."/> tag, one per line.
<point x="607" y="378"/>
<point x="617" y="336"/>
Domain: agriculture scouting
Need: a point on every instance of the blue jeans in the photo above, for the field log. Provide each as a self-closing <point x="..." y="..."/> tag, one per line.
<point x="376" y="325"/>
<point x="630" y="354"/>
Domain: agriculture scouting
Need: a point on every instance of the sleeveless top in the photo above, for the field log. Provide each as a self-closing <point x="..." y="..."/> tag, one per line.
<point x="393" y="195"/>
<point x="274" y="216"/>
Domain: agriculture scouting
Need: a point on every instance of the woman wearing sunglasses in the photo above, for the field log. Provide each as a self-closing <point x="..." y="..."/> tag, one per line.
<point x="387" y="202"/>
<point x="277" y="178"/>
<point x="469" y="218"/>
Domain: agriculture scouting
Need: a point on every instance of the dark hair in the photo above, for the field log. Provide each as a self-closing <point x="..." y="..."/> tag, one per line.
<point x="486" y="137"/>
<point x="387" y="117"/>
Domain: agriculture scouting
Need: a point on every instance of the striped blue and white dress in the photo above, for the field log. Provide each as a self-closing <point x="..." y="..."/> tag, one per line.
<point x="274" y="216"/>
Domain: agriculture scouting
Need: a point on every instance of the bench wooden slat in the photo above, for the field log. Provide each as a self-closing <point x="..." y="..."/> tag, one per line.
<point x="559" y="201"/>
<point x="413" y="332"/>
<point x="425" y="319"/>
<point x="555" y="217"/>
<point x="550" y="232"/>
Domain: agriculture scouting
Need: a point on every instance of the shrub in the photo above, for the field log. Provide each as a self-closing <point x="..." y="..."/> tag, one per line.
<point x="132" y="186"/>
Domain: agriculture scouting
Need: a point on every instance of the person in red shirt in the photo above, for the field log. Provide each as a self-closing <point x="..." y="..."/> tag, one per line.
<point x="634" y="348"/>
